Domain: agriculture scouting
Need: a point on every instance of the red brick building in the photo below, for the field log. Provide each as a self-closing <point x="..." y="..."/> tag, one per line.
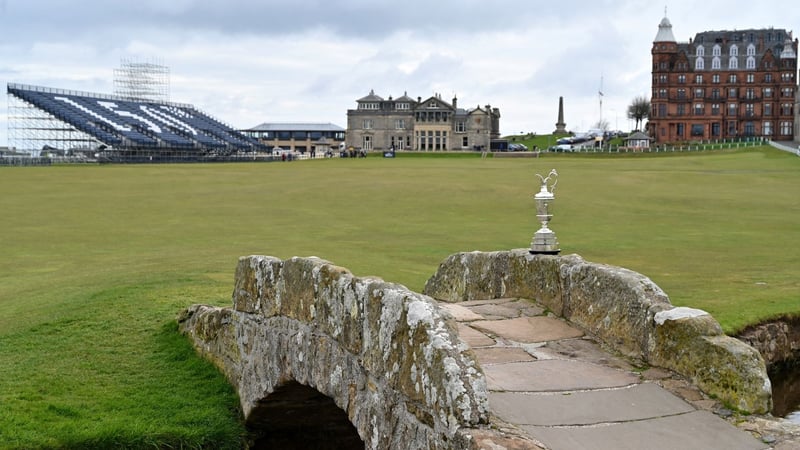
<point x="723" y="85"/>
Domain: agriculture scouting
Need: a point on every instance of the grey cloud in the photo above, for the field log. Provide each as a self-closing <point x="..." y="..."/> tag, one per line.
<point x="357" y="18"/>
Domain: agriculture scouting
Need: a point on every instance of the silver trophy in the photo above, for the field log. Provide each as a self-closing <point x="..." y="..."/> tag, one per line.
<point x="544" y="241"/>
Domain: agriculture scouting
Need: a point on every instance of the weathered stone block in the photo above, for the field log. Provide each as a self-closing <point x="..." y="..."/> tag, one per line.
<point x="690" y="342"/>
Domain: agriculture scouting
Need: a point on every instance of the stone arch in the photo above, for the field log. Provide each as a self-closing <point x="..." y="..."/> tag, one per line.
<point x="381" y="353"/>
<point x="298" y="417"/>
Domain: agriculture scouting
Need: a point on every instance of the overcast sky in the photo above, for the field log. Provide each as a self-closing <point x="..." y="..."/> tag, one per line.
<point x="249" y="62"/>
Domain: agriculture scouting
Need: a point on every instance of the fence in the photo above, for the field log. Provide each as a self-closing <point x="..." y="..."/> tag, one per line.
<point x="717" y="144"/>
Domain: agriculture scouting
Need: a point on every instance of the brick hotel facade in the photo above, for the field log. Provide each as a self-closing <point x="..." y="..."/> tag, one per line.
<point x="723" y="85"/>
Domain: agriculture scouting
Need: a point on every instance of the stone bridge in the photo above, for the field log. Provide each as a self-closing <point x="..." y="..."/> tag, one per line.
<point x="357" y="362"/>
<point x="305" y="336"/>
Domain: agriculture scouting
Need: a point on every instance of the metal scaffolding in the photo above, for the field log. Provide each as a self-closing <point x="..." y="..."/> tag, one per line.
<point x="35" y="131"/>
<point x="142" y="80"/>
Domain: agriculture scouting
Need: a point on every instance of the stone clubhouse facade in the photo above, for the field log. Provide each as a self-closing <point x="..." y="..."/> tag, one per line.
<point x="433" y="124"/>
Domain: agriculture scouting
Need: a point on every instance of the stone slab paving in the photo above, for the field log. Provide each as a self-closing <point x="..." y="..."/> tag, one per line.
<point x="528" y="329"/>
<point x="637" y="402"/>
<point x="562" y="389"/>
<point x="554" y="375"/>
<point x="697" y="430"/>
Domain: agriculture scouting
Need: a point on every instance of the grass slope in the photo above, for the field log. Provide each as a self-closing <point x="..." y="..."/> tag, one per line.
<point x="96" y="261"/>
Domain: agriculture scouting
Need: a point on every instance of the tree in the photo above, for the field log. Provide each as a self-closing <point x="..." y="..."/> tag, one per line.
<point x="639" y="110"/>
<point x="602" y="125"/>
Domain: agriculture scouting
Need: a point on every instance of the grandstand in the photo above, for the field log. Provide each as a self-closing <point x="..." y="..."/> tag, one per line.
<point x="114" y="128"/>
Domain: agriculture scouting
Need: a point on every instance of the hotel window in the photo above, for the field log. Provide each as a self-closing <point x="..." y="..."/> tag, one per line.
<point x="751" y="50"/>
<point x="715" y="129"/>
<point x="699" y="93"/>
<point x="768" y="78"/>
<point x="786" y="76"/>
<point x="701" y="51"/>
<point x="681" y="79"/>
<point x="699" y="64"/>
<point x="732" y="78"/>
<point x="697" y="129"/>
<point x="699" y="109"/>
<point x="715" y="109"/>
<point x="751" y="62"/>
<point x="734" y="50"/>
<point x="715" y="78"/>
<point x="766" y="128"/>
<point x="662" y="110"/>
<point x="751" y="78"/>
<point x="749" y="129"/>
<point x="749" y="110"/>
<point x="400" y="124"/>
<point x="732" y="93"/>
<point x="786" y="128"/>
<point x="732" y="128"/>
<point x="662" y="93"/>
<point x="662" y="79"/>
<point x="716" y="50"/>
<point x="716" y="64"/>
<point x="367" y="124"/>
<point x="732" y="109"/>
<point x="750" y="94"/>
<point x="733" y="63"/>
<point x="681" y="94"/>
<point x="681" y="110"/>
<point x="679" y="129"/>
<point x="715" y="93"/>
<point x="767" y="109"/>
<point x="787" y="92"/>
<point x="786" y="109"/>
<point x="698" y="79"/>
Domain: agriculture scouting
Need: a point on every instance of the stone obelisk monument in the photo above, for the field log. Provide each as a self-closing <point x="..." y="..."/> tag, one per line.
<point x="561" y="127"/>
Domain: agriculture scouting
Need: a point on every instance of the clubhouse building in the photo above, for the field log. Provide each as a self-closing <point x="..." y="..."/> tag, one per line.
<point x="433" y="124"/>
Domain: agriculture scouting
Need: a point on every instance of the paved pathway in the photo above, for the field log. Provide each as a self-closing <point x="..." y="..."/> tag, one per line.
<point x="558" y="389"/>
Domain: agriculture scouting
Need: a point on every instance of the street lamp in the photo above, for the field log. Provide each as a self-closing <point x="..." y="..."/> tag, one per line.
<point x="544" y="241"/>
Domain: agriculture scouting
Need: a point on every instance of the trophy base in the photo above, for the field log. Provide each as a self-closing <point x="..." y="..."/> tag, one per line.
<point x="544" y="252"/>
<point x="545" y="243"/>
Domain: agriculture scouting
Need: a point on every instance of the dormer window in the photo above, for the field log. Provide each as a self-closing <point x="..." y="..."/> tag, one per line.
<point x="734" y="51"/>
<point x="716" y="50"/>
<point x="751" y="50"/>
<point x="701" y="51"/>
<point x="699" y="64"/>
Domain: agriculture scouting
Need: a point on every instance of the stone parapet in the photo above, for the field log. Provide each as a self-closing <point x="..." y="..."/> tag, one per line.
<point x="622" y="308"/>
<point x="384" y="354"/>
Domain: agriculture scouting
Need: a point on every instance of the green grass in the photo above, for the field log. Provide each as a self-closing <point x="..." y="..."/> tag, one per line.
<point x="96" y="261"/>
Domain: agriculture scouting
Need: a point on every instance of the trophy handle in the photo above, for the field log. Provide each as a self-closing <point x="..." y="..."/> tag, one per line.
<point x="552" y="173"/>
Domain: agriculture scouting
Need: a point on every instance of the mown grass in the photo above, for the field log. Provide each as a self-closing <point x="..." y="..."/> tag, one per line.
<point x="96" y="261"/>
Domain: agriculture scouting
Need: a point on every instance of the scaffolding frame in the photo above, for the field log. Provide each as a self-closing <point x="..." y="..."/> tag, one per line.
<point x="34" y="131"/>
<point x="142" y="80"/>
